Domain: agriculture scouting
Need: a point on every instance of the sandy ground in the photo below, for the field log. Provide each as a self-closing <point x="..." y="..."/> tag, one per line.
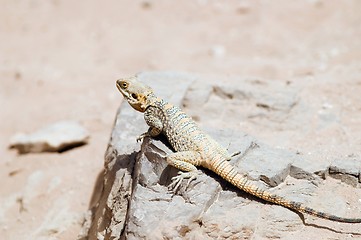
<point x="59" y="60"/>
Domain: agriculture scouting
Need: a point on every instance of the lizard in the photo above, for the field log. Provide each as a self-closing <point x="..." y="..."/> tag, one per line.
<point x="193" y="147"/>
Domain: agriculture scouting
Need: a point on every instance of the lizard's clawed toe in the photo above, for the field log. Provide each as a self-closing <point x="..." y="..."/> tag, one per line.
<point x="177" y="180"/>
<point x="142" y="136"/>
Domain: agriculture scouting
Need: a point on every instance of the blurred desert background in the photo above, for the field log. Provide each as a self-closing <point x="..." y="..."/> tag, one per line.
<point x="59" y="61"/>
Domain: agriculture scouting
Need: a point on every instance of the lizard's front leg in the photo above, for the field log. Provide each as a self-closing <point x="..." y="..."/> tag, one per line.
<point x="154" y="122"/>
<point x="187" y="162"/>
<point x="152" y="132"/>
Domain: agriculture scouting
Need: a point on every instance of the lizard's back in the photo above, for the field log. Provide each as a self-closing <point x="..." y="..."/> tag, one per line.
<point x="184" y="134"/>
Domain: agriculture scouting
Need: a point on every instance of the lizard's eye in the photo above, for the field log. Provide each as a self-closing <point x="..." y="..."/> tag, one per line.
<point x="124" y="85"/>
<point x="135" y="96"/>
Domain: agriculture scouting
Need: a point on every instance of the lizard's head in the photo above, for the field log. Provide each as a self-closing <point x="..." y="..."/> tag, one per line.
<point x="135" y="92"/>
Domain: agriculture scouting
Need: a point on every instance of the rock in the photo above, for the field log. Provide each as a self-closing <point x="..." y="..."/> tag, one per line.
<point x="132" y="201"/>
<point x="57" y="137"/>
<point x="348" y="171"/>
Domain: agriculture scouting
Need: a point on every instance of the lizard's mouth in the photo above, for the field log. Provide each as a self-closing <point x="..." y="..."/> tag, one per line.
<point x="135" y="95"/>
<point x="131" y="100"/>
<point x="124" y="93"/>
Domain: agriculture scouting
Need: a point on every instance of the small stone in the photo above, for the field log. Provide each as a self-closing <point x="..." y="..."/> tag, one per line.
<point x="57" y="137"/>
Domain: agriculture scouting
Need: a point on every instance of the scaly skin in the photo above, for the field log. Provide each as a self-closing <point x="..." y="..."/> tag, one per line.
<point x="195" y="148"/>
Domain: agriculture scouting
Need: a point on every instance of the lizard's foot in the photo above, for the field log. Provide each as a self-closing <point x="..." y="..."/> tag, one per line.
<point x="250" y="147"/>
<point x="235" y="154"/>
<point x="177" y="180"/>
<point x="142" y="136"/>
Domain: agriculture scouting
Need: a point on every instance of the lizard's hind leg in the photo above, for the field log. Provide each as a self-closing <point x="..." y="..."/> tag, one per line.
<point x="187" y="162"/>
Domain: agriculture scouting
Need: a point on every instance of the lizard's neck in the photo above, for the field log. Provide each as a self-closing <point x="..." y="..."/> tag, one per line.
<point x="153" y="100"/>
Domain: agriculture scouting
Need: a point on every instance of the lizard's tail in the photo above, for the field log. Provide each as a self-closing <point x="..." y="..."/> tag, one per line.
<point x="229" y="173"/>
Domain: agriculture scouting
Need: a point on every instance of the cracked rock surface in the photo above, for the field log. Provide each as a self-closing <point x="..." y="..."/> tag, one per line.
<point x="133" y="200"/>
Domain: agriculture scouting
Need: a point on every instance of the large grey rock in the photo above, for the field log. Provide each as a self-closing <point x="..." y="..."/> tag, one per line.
<point x="55" y="137"/>
<point x="132" y="200"/>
